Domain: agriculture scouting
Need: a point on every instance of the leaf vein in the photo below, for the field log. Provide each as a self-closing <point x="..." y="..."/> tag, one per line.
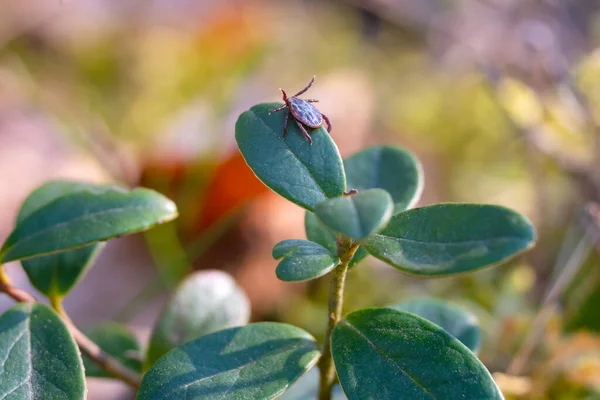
<point x="240" y="368"/>
<point x="414" y="380"/>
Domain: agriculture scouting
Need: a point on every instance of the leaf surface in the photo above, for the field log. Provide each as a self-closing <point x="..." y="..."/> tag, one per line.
<point x="302" y="173"/>
<point x="319" y="233"/>
<point x="84" y="217"/>
<point x="257" y="361"/>
<point x="39" y="359"/>
<point x="55" y="274"/>
<point x="385" y="354"/>
<point x="455" y="320"/>
<point x="451" y="238"/>
<point x="302" y="260"/>
<point x="391" y="168"/>
<point x="357" y="216"/>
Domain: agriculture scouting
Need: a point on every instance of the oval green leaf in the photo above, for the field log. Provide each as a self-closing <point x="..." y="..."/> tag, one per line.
<point x="118" y="341"/>
<point x="302" y="260"/>
<point x="205" y="302"/>
<point x="451" y="238"/>
<point x="391" y="168"/>
<point x="38" y="357"/>
<point x="359" y="215"/>
<point x="455" y="320"/>
<point x="257" y="361"/>
<point x="55" y="274"/>
<point x="85" y="217"/>
<point x="302" y="173"/>
<point x="307" y="388"/>
<point x="319" y="233"/>
<point x="387" y="354"/>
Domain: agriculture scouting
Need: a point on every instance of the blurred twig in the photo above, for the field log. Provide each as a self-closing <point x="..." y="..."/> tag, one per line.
<point x="591" y="223"/>
<point x="548" y="307"/>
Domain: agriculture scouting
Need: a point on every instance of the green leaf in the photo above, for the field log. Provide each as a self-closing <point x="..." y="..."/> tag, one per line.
<point x="455" y="320"/>
<point x="257" y="361"/>
<point x="319" y="233"/>
<point x="85" y="217"/>
<point x="38" y="357"/>
<point x="307" y="388"/>
<point x="451" y="238"/>
<point x="391" y="168"/>
<point x="50" y="191"/>
<point x="205" y="302"/>
<point x="302" y="260"/>
<point x="387" y="354"/>
<point x="359" y="215"/>
<point x="118" y="341"/>
<point x="302" y="173"/>
<point x="55" y="274"/>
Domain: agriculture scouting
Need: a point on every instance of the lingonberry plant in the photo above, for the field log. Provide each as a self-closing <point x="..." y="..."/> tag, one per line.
<point x="202" y="347"/>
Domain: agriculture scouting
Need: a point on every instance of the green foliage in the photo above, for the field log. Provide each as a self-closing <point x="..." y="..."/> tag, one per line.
<point x="359" y="215"/>
<point x="84" y="217"/>
<point x="257" y="361"/>
<point x="201" y="347"/>
<point x="453" y="319"/>
<point x="318" y="233"/>
<point x="205" y="302"/>
<point x="118" y="341"/>
<point x="55" y="274"/>
<point x="302" y="260"/>
<point x="385" y="167"/>
<point x="391" y="168"/>
<point x="451" y="238"/>
<point x="38" y="357"/>
<point x="303" y="174"/>
<point x="398" y="355"/>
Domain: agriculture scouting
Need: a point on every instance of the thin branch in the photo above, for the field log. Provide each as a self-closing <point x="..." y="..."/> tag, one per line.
<point x="87" y="346"/>
<point x="346" y="250"/>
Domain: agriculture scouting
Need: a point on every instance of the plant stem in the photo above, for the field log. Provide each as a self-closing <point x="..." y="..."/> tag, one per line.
<point x="86" y="345"/>
<point x="16" y="293"/>
<point x="345" y="251"/>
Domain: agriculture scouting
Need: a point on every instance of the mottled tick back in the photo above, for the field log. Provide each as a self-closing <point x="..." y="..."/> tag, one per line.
<point x="303" y="112"/>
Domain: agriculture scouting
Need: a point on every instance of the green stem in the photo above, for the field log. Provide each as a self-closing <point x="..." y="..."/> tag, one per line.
<point x="56" y="303"/>
<point x="345" y="250"/>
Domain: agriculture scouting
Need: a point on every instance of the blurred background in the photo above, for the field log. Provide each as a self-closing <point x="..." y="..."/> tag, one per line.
<point x="500" y="99"/>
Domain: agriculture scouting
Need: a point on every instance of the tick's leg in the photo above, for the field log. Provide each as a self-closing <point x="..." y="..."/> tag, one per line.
<point x="287" y="118"/>
<point x="328" y="122"/>
<point x="312" y="101"/>
<point x="306" y="88"/>
<point x="303" y="129"/>
<point x="278" y="109"/>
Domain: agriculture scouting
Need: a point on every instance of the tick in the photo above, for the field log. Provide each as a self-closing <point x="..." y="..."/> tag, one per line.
<point x="303" y="112"/>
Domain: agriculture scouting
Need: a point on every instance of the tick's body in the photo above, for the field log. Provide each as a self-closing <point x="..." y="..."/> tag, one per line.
<point x="303" y="112"/>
